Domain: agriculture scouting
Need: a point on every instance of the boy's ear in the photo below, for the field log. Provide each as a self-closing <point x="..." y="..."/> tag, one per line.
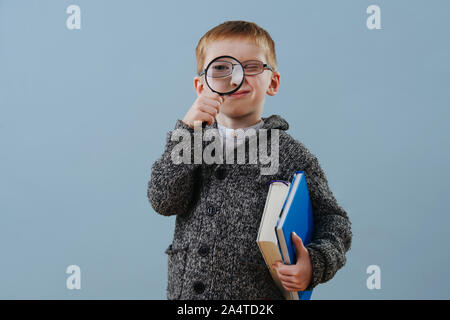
<point x="198" y="85"/>
<point x="274" y="84"/>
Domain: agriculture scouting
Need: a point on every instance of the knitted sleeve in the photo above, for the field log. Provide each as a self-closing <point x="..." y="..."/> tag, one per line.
<point x="332" y="234"/>
<point x="171" y="186"/>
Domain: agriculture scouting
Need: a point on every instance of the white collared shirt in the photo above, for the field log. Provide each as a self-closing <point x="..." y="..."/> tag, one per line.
<point x="230" y="137"/>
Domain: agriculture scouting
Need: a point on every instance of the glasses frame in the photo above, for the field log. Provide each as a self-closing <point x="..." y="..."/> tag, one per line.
<point x="264" y="67"/>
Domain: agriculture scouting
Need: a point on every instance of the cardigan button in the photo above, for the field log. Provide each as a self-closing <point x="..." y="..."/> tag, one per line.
<point x="211" y="210"/>
<point x="203" y="251"/>
<point x="199" y="287"/>
<point x="221" y="173"/>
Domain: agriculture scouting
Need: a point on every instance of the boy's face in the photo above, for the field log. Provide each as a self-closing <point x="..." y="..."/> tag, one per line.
<point x="258" y="86"/>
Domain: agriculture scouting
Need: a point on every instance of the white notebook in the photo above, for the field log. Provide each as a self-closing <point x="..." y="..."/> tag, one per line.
<point x="267" y="239"/>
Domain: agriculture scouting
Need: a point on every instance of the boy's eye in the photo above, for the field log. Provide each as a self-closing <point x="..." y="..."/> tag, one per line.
<point x="220" y="68"/>
<point x="251" y="67"/>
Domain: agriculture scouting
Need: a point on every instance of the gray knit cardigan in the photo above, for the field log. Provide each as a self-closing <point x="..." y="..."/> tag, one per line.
<point x="218" y="209"/>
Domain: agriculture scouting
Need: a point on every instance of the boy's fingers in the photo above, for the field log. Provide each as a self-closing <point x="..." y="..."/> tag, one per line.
<point x="290" y="288"/>
<point x="288" y="279"/>
<point x="287" y="270"/>
<point x="290" y="284"/>
<point x="276" y="263"/>
<point x="211" y="95"/>
<point x="218" y="98"/>
<point x="210" y="106"/>
<point x="210" y="110"/>
<point x="209" y="119"/>
<point x="301" y="250"/>
<point x="203" y="117"/>
<point x="212" y="102"/>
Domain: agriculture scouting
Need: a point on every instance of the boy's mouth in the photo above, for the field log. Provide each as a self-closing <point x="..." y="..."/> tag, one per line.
<point x="239" y="93"/>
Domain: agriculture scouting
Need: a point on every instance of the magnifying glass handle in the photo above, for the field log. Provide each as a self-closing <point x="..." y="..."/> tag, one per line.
<point x="197" y="123"/>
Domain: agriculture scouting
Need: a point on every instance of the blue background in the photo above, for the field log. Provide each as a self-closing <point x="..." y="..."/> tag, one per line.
<point x="84" y="114"/>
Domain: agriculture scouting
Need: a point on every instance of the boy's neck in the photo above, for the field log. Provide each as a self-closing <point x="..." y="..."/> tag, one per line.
<point x="237" y="123"/>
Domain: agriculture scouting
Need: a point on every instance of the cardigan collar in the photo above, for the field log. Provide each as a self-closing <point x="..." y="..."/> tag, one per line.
<point x="229" y="133"/>
<point x="272" y="122"/>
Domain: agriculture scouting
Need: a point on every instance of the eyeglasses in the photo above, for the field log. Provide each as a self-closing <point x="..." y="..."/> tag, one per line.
<point x="222" y="68"/>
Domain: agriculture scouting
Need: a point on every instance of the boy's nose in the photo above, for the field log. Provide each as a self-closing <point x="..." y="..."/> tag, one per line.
<point x="236" y="77"/>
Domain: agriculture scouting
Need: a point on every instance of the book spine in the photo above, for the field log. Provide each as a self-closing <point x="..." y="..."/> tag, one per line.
<point x="287" y="195"/>
<point x="282" y="246"/>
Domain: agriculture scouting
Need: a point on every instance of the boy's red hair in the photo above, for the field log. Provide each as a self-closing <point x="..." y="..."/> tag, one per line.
<point x="238" y="30"/>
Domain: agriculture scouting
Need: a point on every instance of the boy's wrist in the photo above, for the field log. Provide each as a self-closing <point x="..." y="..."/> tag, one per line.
<point x="318" y="267"/>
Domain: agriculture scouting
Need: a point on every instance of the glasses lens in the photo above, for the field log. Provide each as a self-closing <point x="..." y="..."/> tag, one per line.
<point x="252" y="67"/>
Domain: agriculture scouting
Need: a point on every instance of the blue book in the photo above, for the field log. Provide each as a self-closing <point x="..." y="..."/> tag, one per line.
<point x="296" y="215"/>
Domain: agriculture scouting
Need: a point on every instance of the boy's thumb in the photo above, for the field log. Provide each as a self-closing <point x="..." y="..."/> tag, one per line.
<point x="298" y="244"/>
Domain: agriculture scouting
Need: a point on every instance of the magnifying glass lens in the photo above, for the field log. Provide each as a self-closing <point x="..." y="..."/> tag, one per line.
<point x="224" y="75"/>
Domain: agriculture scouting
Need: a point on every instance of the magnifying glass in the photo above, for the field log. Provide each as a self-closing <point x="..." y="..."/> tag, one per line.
<point x="224" y="75"/>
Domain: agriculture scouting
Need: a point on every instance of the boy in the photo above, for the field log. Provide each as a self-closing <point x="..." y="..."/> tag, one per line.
<point x="218" y="206"/>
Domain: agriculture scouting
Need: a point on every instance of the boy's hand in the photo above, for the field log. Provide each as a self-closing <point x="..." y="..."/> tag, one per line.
<point x="295" y="277"/>
<point x="205" y="108"/>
